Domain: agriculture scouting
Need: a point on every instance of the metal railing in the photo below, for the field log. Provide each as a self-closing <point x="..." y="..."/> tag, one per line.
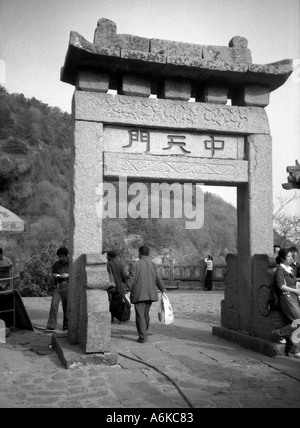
<point x="176" y="273"/>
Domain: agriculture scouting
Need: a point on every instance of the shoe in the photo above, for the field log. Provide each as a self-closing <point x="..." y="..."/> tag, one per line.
<point x="140" y="340"/>
<point x="277" y="338"/>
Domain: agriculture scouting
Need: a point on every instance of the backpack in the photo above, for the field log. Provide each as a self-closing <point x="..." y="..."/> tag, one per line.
<point x="120" y="308"/>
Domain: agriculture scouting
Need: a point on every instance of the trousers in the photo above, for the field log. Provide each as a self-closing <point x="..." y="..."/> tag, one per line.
<point x="142" y="318"/>
<point x="208" y="283"/>
<point x="58" y="295"/>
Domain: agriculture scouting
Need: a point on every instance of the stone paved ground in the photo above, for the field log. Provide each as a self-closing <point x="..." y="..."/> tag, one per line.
<point x="203" y="371"/>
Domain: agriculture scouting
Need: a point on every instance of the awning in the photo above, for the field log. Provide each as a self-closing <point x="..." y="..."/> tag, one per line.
<point x="10" y="222"/>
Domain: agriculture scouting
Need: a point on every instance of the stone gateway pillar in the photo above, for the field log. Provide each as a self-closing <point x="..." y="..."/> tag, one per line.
<point x="180" y="112"/>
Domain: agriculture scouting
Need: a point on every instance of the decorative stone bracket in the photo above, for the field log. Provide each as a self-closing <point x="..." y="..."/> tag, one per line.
<point x="94" y="326"/>
<point x="293" y="177"/>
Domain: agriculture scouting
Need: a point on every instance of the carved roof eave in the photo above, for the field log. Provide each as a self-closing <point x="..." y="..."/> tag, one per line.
<point x="293" y="178"/>
<point x="113" y="59"/>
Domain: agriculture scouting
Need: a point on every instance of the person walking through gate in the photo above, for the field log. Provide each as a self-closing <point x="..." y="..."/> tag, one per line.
<point x="208" y="278"/>
<point x="286" y="286"/>
<point x="117" y="276"/>
<point x="60" y="270"/>
<point x="143" y="281"/>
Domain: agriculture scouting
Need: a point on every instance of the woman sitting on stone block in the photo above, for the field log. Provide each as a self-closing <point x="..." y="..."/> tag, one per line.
<point x="288" y="292"/>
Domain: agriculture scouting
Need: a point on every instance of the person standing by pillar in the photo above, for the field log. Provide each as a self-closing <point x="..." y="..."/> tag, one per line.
<point x="60" y="270"/>
<point x="288" y="293"/>
<point x="208" y="278"/>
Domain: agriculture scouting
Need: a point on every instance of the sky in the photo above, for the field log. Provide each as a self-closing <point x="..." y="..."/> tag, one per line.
<point x="34" y="38"/>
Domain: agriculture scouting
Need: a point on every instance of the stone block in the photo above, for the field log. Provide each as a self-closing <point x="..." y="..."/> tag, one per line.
<point x="140" y="56"/>
<point x="128" y="41"/>
<point x="96" y="271"/>
<point x="214" y="94"/>
<point x="89" y="80"/>
<point x="95" y="258"/>
<point x="265" y="319"/>
<point x="239" y="50"/>
<point x="252" y="95"/>
<point x="229" y="306"/>
<point x="175" y="89"/>
<point x="172" y="48"/>
<point x="236" y="53"/>
<point x="72" y="355"/>
<point x="97" y="277"/>
<point x="260" y="196"/>
<point x="94" y="326"/>
<point x="106" y="35"/>
<point x="254" y="343"/>
<point x="105" y="29"/>
<point x="135" y="85"/>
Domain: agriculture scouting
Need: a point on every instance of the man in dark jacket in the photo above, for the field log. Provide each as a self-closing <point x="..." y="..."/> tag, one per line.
<point x="117" y="277"/>
<point x="143" y="281"/>
<point x="60" y="270"/>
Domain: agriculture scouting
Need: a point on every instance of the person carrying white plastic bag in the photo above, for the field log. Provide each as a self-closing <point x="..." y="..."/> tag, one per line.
<point x="165" y="311"/>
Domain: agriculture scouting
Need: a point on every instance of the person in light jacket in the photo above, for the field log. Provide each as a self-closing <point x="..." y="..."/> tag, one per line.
<point x="143" y="281"/>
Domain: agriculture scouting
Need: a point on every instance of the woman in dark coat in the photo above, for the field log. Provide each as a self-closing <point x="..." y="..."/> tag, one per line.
<point x="287" y="291"/>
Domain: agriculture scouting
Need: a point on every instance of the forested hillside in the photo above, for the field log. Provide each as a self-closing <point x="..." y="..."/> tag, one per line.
<point x="34" y="170"/>
<point x="34" y="184"/>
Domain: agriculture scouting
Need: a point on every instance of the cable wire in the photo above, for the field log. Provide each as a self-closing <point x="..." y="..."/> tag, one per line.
<point x="162" y="373"/>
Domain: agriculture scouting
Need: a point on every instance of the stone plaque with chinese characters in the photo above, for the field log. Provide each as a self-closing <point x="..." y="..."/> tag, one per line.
<point x="173" y="143"/>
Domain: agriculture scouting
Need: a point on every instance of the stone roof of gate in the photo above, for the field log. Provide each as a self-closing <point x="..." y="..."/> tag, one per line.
<point x="157" y="58"/>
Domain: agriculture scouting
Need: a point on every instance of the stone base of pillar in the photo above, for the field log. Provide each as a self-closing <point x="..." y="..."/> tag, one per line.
<point x="257" y="344"/>
<point x="72" y="355"/>
<point x="94" y="326"/>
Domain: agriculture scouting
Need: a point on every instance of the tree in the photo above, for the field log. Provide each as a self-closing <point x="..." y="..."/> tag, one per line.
<point x="114" y="236"/>
<point x="286" y="225"/>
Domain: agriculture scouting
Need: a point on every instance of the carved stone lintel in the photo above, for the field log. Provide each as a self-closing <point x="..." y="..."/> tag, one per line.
<point x="168" y="167"/>
<point x="105" y="108"/>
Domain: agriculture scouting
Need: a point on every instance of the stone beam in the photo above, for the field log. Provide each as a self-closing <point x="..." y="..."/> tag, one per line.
<point x="106" y="108"/>
<point x="196" y="170"/>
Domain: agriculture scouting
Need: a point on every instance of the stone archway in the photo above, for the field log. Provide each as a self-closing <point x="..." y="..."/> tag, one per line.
<point x="167" y="139"/>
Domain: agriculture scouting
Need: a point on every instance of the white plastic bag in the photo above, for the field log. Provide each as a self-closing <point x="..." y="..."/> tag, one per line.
<point x="165" y="311"/>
